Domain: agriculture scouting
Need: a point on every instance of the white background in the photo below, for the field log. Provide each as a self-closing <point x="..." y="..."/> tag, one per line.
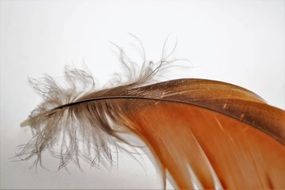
<point x="241" y="42"/>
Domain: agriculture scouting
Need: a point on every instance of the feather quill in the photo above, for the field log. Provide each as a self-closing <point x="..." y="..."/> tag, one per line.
<point x="203" y="133"/>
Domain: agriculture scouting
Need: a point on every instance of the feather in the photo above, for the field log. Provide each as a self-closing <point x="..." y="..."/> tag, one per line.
<point x="203" y="133"/>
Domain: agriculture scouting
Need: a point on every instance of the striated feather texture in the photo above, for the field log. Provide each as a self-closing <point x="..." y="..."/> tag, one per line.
<point x="205" y="134"/>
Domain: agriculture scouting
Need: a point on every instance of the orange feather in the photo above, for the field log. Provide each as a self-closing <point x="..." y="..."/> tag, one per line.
<point x="204" y="134"/>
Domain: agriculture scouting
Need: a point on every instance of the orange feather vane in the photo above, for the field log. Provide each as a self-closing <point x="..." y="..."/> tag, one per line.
<point x="205" y="134"/>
